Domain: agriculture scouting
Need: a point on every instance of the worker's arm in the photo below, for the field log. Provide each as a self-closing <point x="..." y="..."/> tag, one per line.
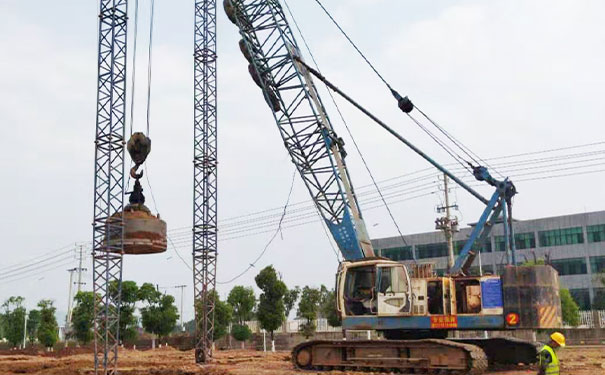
<point x="544" y="359"/>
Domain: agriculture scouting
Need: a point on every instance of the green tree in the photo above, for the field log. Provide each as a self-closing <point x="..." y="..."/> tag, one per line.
<point x="2" y="325"/>
<point x="242" y="300"/>
<point x="327" y="307"/>
<point x="159" y="316"/>
<point x="223" y="314"/>
<point x="290" y="299"/>
<point x="14" y="319"/>
<point x="33" y="323"/>
<point x="569" y="308"/>
<point x="270" y="312"/>
<point x="241" y="333"/>
<point x="129" y="298"/>
<point x="82" y="317"/>
<point x="48" y="332"/>
<point x="308" y="308"/>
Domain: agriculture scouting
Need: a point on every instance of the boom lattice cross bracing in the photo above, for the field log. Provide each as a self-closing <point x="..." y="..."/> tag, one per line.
<point x="109" y="182"/>
<point x="204" y="176"/>
<point x="305" y="128"/>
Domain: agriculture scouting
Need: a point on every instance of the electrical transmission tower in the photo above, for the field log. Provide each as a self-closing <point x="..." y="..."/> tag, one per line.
<point x="204" y="176"/>
<point x="109" y="182"/>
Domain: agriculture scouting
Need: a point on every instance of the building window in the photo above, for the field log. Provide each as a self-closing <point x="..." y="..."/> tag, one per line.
<point x="440" y="271"/>
<point x="459" y="245"/>
<point x="431" y="250"/>
<point x="570" y="266"/>
<point x="582" y="298"/>
<point x="397" y="253"/>
<point x="522" y="241"/>
<point x="525" y="241"/>
<point x="558" y="237"/>
<point x="595" y="233"/>
<point x="597" y="264"/>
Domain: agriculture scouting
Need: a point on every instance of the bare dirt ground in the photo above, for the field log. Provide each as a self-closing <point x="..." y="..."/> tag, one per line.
<point x="169" y="361"/>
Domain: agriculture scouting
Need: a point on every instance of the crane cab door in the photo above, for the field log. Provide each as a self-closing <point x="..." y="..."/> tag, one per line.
<point x="394" y="292"/>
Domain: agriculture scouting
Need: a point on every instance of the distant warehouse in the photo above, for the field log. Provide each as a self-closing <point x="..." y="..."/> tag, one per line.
<point x="574" y="244"/>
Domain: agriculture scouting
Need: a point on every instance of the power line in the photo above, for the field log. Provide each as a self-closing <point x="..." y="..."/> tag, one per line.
<point x="537" y="176"/>
<point x="306" y="212"/>
<point x="279" y="228"/>
<point x="53" y="252"/>
<point x="35" y="265"/>
<point x="502" y="161"/>
<point x="41" y="272"/>
<point x="431" y="174"/>
<point x="38" y="269"/>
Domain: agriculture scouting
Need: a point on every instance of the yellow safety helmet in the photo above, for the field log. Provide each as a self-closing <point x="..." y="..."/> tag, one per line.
<point x="558" y="338"/>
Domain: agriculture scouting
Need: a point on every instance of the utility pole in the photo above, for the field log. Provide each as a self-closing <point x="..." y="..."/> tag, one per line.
<point x="24" y="329"/>
<point x="79" y="283"/>
<point x="70" y="297"/>
<point x="182" y="287"/>
<point x="80" y="269"/>
<point x="447" y="224"/>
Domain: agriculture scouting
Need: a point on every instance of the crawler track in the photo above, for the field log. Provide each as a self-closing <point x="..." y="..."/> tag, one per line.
<point x="404" y="356"/>
<point x="505" y="350"/>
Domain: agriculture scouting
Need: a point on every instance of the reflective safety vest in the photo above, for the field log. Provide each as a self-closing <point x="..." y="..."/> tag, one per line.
<point x="553" y="367"/>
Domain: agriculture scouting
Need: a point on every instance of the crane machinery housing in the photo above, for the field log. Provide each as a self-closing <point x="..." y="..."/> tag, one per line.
<point x="413" y="308"/>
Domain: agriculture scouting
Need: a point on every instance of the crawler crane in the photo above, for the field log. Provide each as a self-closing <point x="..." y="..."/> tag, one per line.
<point x="413" y="308"/>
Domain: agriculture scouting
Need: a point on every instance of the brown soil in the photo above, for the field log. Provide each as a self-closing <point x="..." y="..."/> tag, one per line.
<point x="169" y="361"/>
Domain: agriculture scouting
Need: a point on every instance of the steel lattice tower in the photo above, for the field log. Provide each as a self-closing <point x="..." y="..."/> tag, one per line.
<point x="204" y="176"/>
<point x="109" y="183"/>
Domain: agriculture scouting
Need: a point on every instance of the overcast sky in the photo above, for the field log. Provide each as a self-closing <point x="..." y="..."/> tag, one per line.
<point x="504" y="77"/>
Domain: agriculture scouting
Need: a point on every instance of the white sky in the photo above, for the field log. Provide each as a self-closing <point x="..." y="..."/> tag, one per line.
<point x="503" y="77"/>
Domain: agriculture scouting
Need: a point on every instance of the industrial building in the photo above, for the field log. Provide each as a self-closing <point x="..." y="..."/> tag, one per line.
<point x="573" y="244"/>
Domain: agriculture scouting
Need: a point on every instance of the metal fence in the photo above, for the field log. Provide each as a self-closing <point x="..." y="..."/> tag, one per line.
<point x="294" y="326"/>
<point x="588" y="319"/>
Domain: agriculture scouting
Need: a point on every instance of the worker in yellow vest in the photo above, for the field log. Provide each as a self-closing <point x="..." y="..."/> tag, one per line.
<point x="548" y="361"/>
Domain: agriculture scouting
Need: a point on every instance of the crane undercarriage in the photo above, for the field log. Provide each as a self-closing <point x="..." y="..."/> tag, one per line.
<point x="469" y="357"/>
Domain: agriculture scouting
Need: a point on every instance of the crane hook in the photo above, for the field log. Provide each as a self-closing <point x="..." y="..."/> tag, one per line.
<point x="139" y="147"/>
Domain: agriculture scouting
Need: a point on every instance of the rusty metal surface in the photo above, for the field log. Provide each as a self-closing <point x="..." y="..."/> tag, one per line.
<point x="403" y="355"/>
<point x="533" y="293"/>
<point x="422" y="270"/>
<point x="144" y="233"/>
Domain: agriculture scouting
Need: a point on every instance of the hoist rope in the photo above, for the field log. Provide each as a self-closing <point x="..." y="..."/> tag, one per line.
<point x="447" y="149"/>
<point x="353" y="44"/>
<point x="348" y="130"/>
<point x="472" y="155"/>
<point x="457" y="143"/>
<point x="134" y="64"/>
<point x="149" y="62"/>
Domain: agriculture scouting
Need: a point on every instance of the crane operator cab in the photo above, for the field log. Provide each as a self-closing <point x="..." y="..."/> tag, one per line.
<point x="384" y="288"/>
<point x="375" y="288"/>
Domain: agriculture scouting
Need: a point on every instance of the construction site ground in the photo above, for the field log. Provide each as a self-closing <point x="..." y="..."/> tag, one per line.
<point x="579" y="360"/>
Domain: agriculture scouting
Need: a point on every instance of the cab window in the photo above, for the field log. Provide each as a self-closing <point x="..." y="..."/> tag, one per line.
<point x="393" y="280"/>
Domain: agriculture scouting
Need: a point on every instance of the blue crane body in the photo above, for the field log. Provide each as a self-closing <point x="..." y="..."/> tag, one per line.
<point x="406" y="302"/>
